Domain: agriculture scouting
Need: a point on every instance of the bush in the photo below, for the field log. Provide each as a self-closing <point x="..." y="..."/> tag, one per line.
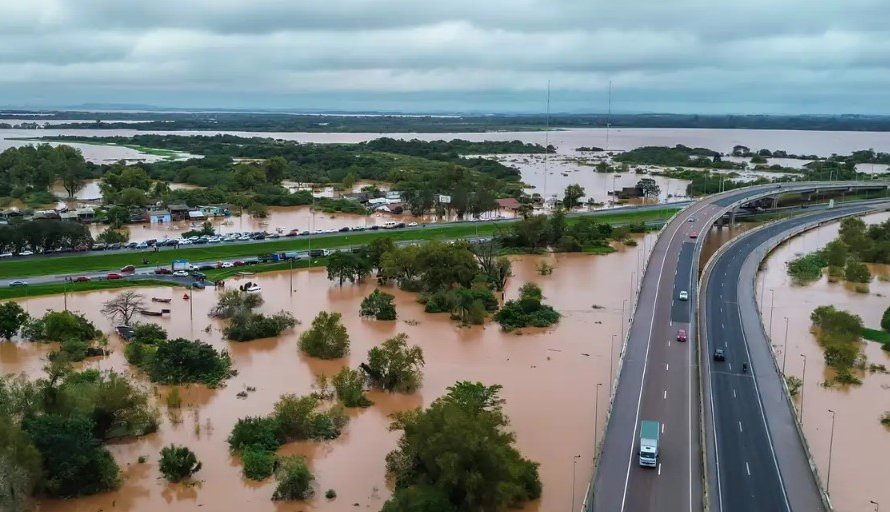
<point x="349" y="385"/>
<point x="885" y="419"/>
<point x="173" y="399"/>
<point x="258" y="464"/>
<point x="181" y="361"/>
<point x="330" y="494"/>
<point x="233" y="302"/>
<point x="299" y="417"/>
<point x="255" y="433"/>
<point x="378" y="305"/>
<point x="527" y="311"/>
<point x="60" y="326"/>
<point x="838" y="333"/>
<point x="148" y="333"/>
<point x="12" y="318"/>
<point x="807" y="269"/>
<point x="248" y="326"/>
<point x="885" y="320"/>
<point x="178" y="463"/>
<point x="393" y="366"/>
<point x="294" y="479"/>
<point x="857" y="272"/>
<point x="327" y="338"/>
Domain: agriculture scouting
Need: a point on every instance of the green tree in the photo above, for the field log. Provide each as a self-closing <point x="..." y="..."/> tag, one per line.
<point x="60" y="326"/>
<point x="233" y="302"/>
<point x="468" y="429"/>
<point x="276" y="169"/>
<point x="379" y="305"/>
<point x="178" y="463"/>
<point x="375" y="250"/>
<point x="885" y="320"/>
<point x="131" y="197"/>
<point x="148" y="333"/>
<point x="349" y="385"/>
<point x="836" y="253"/>
<point x="573" y="195"/>
<point x="12" y="318"/>
<point x="857" y="272"/>
<point x="117" y="216"/>
<point x="419" y="498"/>
<point x="255" y="433"/>
<point x="344" y="265"/>
<point x="20" y="465"/>
<point x="294" y="479"/>
<point x="301" y="417"/>
<point x="394" y="366"/>
<point x="348" y="181"/>
<point x="180" y="361"/>
<point x="258" y="464"/>
<point x="529" y="310"/>
<point x="853" y="234"/>
<point x="112" y="236"/>
<point x="73" y="170"/>
<point x="327" y="338"/>
<point x="74" y="462"/>
<point x="649" y="187"/>
<point x="246" y="326"/>
<point x="530" y="232"/>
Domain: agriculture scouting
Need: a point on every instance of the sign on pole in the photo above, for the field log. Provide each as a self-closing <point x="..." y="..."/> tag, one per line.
<point x="444" y="199"/>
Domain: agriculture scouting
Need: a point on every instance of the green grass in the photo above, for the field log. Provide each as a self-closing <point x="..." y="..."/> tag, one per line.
<point x="110" y="262"/>
<point x="57" y="288"/>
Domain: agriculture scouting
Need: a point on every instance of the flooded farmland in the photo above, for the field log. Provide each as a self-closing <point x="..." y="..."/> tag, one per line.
<point x="858" y="471"/>
<point x="549" y="380"/>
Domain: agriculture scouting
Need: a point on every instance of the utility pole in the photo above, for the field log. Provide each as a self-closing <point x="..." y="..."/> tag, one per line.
<point x="596" y="419"/>
<point x="785" y="347"/>
<point x="830" y="449"/>
<point x="771" y="306"/>
<point x="623" y="302"/>
<point x="574" y="463"/>
<point x="611" y="359"/>
<point x="803" y="385"/>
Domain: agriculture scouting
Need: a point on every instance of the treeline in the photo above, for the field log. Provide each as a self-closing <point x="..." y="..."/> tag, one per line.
<point x="28" y="172"/>
<point x="271" y="121"/>
<point x="44" y="236"/>
<point x="677" y="156"/>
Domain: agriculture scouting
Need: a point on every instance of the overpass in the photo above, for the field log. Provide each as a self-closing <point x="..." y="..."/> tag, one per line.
<point x="658" y="378"/>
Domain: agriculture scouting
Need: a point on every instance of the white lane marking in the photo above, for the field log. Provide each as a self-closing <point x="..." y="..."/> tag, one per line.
<point x="748" y="468"/>
<point x="733" y="393"/>
<point x="722" y="326"/>
<point x="730" y="366"/>
<point x="669" y="342"/>
<point x="662" y="428"/>
<point x="667" y="366"/>
<point x="665" y="394"/>
<point x="740" y="426"/>
<point x="659" y="469"/>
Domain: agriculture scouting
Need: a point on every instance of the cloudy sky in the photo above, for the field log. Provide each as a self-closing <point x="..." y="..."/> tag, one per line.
<point x="702" y="56"/>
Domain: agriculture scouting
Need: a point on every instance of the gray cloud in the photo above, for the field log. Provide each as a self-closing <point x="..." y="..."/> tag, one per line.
<point x="689" y="55"/>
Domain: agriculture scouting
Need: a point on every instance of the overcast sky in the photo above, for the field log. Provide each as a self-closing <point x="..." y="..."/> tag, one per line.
<point x="702" y="56"/>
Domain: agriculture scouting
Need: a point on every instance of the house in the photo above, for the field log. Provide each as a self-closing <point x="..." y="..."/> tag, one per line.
<point x="361" y="197"/>
<point x="215" y="210"/>
<point x="72" y="216"/>
<point x="396" y="208"/>
<point x="394" y="195"/>
<point x="508" y="204"/>
<point x="138" y="215"/>
<point x="629" y="192"/>
<point x="159" y="217"/>
<point x="46" y="215"/>
<point x="85" y="215"/>
<point x="178" y="211"/>
<point x="378" y="201"/>
<point x="197" y="215"/>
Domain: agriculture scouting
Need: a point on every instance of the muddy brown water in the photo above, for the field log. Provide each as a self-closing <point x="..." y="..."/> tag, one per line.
<point x="861" y="443"/>
<point x="549" y="378"/>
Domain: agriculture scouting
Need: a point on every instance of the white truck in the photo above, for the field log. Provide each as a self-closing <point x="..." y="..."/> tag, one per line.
<point x="649" y="432"/>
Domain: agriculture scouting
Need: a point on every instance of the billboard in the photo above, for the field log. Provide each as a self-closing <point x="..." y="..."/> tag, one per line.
<point x="444" y="199"/>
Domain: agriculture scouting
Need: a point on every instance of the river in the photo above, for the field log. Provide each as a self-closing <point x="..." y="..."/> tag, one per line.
<point x="549" y="378"/>
<point x="861" y="443"/>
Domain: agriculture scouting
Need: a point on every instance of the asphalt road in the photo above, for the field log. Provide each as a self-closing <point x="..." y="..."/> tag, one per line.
<point x="759" y="458"/>
<point x="658" y="379"/>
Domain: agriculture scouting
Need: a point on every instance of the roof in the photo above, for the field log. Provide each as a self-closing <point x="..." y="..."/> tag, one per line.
<point x="196" y="214"/>
<point x="510" y="203"/>
<point x="178" y="207"/>
<point x="159" y="212"/>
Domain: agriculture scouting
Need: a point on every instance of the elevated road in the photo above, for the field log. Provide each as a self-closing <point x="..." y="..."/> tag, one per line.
<point x="757" y="458"/>
<point x="658" y="378"/>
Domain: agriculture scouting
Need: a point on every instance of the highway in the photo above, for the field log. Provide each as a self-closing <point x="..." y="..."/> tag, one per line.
<point x="659" y="377"/>
<point x="759" y="462"/>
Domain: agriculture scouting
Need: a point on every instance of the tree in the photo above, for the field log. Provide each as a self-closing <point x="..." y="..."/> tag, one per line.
<point x="393" y="366"/>
<point x="73" y="171"/>
<point x="836" y="253"/>
<point x="527" y="311"/>
<point x="378" y="305"/>
<point x="346" y="265"/>
<point x="300" y="417"/>
<point x="180" y="361"/>
<point x="233" y="302"/>
<point x="857" y="272"/>
<point x="468" y="429"/>
<point x="123" y="307"/>
<point x="276" y="169"/>
<point x="348" y="181"/>
<point x="294" y="479"/>
<point x="246" y="326"/>
<point x="20" y="464"/>
<point x="885" y="320"/>
<point x="349" y="385"/>
<point x="12" y="318"/>
<point x="60" y="326"/>
<point x="74" y="462"/>
<point x="419" y="498"/>
<point x="256" y="433"/>
<point x="375" y="250"/>
<point x="531" y="232"/>
<point x="117" y="216"/>
<point x="648" y="187"/>
<point x="573" y="195"/>
<point x="178" y="463"/>
<point x="131" y="197"/>
<point x="258" y="464"/>
<point x="148" y="333"/>
<point x="327" y="338"/>
<point x="112" y="236"/>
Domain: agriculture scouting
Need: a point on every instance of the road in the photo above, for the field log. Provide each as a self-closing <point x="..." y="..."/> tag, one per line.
<point x="759" y="462"/>
<point x="658" y="379"/>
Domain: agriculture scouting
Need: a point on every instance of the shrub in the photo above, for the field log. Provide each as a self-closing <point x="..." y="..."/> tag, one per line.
<point x="12" y="318"/>
<point x="294" y="479"/>
<point x="258" y="464"/>
<point x="180" y="361"/>
<point x="233" y="302"/>
<point x="857" y="272"/>
<point x="248" y="326"/>
<point x="256" y="433"/>
<point x="885" y="320"/>
<point x="394" y="366"/>
<point x="807" y="269"/>
<point x="327" y="338"/>
<point x="148" y="333"/>
<point x="299" y="417"/>
<point x="378" y="305"/>
<point x="60" y="326"/>
<point x="349" y="385"/>
<point x="885" y="419"/>
<point x="173" y="399"/>
<point x="527" y="311"/>
<point x="178" y="463"/>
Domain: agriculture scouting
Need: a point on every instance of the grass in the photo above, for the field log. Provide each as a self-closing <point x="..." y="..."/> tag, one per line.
<point x="109" y="262"/>
<point x="57" y="288"/>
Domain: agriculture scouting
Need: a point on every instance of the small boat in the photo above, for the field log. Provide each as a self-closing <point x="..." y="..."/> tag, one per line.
<point x="185" y="296"/>
<point x="150" y="313"/>
<point x="158" y="299"/>
<point x="250" y="287"/>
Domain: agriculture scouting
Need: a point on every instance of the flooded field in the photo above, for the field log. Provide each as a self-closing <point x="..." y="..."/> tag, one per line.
<point x="549" y="380"/>
<point x="858" y="473"/>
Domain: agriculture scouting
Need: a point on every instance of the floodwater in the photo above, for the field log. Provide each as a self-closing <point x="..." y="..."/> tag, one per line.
<point x="91" y="191"/>
<point x="861" y="443"/>
<point x="549" y="380"/>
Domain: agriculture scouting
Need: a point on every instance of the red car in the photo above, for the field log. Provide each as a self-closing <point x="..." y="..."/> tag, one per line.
<point x="693" y="235"/>
<point x="81" y="279"/>
<point x="128" y="268"/>
<point x="238" y="263"/>
<point x="681" y="335"/>
<point x="114" y="275"/>
<point x="163" y="271"/>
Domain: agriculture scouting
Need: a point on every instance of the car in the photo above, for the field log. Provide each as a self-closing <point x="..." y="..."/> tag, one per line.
<point x="681" y="335"/>
<point x="81" y="279"/>
<point x="128" y="269"/>
<point x="26" y="253"/>
<point x="412" y="224"/>
<point x="227" y="264"/>
<point x="163" y="271"/>
<point x="719" y="355"/>
<point x="114" y="275"/>
<point x="691" y="219"/>
<point x="131" y="245"/>
<point x="238" y="263"/>
<point x="181" y="273"/>
<point x="693" y="235"/>
<point x="684" y="295"/>
<point x="18" y="283"/>
<point x="344" y="229"/>
<point x="373" y="228"/>
<point x="200" y="275"/>
<point x="115" y="246"/>
<point x="6" y="255"/>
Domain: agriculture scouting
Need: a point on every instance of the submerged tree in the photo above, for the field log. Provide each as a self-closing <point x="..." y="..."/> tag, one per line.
<point x="327" y="338"/>
<point x="123" y="307"/>
<point x="178" y="463"/>
<point x="394" y="366"/>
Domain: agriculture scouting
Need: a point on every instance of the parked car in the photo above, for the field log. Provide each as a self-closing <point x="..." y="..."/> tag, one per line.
<point x="344" y="229"/>
<point x="227" y="264"/>
<point x="26" y="253"/>
<point x="18" y="283"/>
<point x="81" y="279"/>
<point x="238" y="263"/>
<point x="412" y="224"/>
<point x="163" y="271"/>
<point x="114" y="275"/>
<point x="181" y="273"/>
<point x="719" y="355"/>
<point x="115" y="246"/>
<point x="128" y="269"/>
<point x="681" y="335"/>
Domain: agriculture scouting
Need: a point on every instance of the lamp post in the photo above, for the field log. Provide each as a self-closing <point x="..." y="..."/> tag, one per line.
<point x="611" y="359"/>
<point x="785" y="347"/>
<point x="596" y="418"/>
<point x="574" y="463"/>
<point x="803" y="385"/>
<point x="623" y="302"/>
<point x="830" y="448"/>
<point x="876" y="504"/>
<point x="772" y="304"/>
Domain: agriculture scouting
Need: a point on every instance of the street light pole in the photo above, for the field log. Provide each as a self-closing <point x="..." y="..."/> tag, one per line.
<point x="596" y="418"/>
<point x="772" y="304"/>
<point x="623" y="302"/>
<point x="574" y="463"/>
<point x="785" y="347"/>
<point x="803" y="385"/>
<point x="830" y="448"/>
<point x="611" y="359"/>
<point x="876" y="504"/>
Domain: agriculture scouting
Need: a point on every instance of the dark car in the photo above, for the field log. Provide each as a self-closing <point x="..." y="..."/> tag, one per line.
<point x="128" y="268"/>
<point x="719" y="355"/>
<point x="163" y="271"/>
<point x="373" y="228"/>
<point x="358" y="228"/>
<point x="114" y="275"/>
<point x="681" y="335"/>
<point x="115" y="245"/>
<point x="343" y="229"/>
<point x="81" y="279"/>
<point x="316" y="253"/>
